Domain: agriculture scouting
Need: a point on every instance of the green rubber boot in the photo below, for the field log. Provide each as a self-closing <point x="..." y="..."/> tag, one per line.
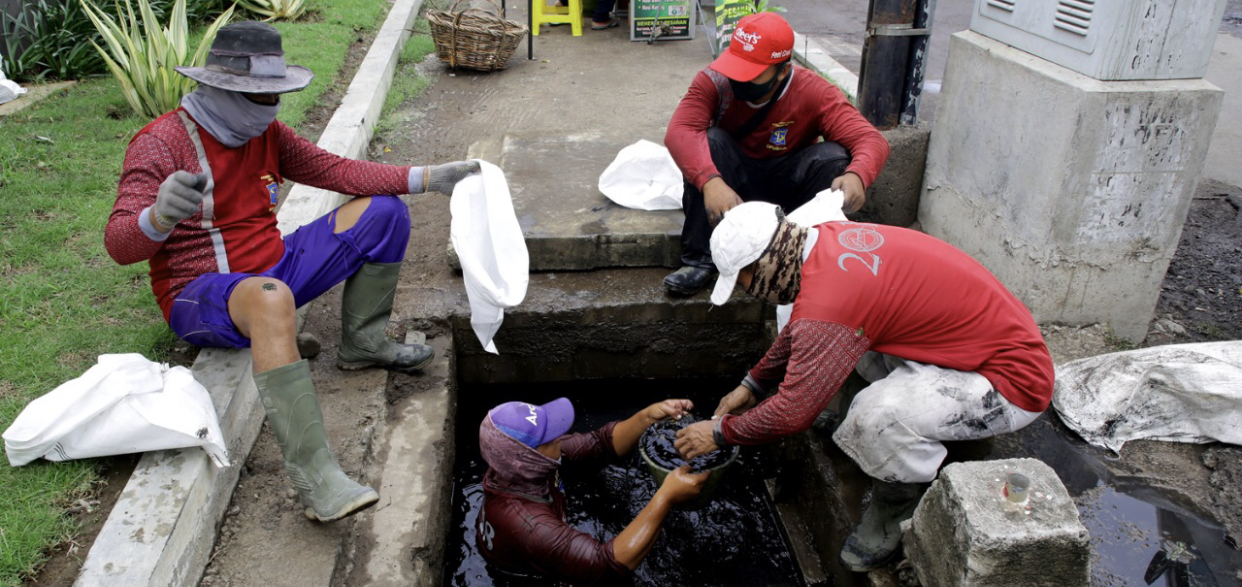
<point x="365" y="307"/>
<point x="293" y="412"/>
<point x="879" y="533"/>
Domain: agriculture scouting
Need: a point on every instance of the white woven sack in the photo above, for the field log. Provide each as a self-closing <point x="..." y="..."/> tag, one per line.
<point x="644" y="177"/>
<point x="488" y="239"/>
<point x="1182" y="393"/>
<point x="124" y="404"/>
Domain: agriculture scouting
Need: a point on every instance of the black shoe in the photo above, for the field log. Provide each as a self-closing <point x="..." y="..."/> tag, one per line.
<point x="688" y="280"/>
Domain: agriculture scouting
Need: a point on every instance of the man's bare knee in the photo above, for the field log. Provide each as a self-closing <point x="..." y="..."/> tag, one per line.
<point x="261" y="300"/>
<point x="348" y="214"/>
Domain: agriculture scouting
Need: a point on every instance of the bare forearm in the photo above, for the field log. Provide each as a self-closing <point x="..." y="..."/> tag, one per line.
<point x="633" y="543"/>
<point x="625" y="436"/>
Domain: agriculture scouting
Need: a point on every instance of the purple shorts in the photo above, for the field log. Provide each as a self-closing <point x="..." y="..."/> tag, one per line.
<point x="314" y="261"/>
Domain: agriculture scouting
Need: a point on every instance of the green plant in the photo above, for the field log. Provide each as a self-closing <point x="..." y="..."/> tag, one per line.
<point x="1117" y="344"/>
<point x="142" y="59"/>
<point x="44" y="40"/>
<point x="763" y="6"/>
<point x="275" y="9"/>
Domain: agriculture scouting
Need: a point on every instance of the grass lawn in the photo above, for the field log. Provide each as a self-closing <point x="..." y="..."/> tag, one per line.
<point x="63" y="301"/>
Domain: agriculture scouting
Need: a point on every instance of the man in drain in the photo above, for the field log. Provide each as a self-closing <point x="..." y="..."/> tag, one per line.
<point x="949" y="353"/>
<point x="197" y="199"/>
<point x="749" y="128"/>
<point x="522" y="527"/>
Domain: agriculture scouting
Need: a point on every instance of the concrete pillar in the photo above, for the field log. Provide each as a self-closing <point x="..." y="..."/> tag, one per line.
<point x="1071" y="190"/>
<point x="964" y="531"/>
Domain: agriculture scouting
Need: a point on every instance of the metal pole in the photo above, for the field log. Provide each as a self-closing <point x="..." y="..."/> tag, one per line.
<point x="918" y="62"/>
<point x="889" y="63"/>
<point x="530" y="33"/>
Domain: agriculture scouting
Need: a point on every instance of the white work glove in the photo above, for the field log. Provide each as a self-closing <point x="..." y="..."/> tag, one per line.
<point x="180" y="196"/>
<point x="442" y="178"/>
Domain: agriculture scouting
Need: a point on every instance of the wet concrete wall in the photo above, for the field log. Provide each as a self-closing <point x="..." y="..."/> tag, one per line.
<point x="1072" y="191"/>
<point x="614" y="324"/>
<point x="894" y="197"/>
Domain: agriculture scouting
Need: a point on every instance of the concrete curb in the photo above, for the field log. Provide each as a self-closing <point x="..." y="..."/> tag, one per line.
<point x="816" y="58"/>
<point x="162" y="529"/>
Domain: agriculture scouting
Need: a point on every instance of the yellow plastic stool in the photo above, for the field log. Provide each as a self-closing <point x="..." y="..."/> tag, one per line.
<point x="542" y="13"/>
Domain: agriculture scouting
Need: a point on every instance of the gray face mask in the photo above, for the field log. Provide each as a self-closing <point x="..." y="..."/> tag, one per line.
<point x="229" y="116"/>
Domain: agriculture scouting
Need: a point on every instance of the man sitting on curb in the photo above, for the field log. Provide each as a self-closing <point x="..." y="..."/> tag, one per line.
<point x="950" y="353"/>
<point x="522" y="526"/>
<point x="748" y="129"/>
<point x="197" y="199"/>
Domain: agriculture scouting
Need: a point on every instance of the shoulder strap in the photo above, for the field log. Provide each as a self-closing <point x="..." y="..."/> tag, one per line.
<point x="758" y="117"/>
<point x="724" y="94"/>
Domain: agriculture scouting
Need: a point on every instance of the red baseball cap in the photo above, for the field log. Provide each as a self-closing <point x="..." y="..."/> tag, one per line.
<point x="759" y="41"/>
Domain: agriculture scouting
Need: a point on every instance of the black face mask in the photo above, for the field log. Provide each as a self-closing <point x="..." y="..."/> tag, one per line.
<point x="750" y="92"/>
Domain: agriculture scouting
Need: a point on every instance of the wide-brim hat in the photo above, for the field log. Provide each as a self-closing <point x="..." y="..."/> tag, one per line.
<point x="247" y="57"/>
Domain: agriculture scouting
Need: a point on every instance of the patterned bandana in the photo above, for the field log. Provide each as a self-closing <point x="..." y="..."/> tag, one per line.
<point x="778" y="271"/>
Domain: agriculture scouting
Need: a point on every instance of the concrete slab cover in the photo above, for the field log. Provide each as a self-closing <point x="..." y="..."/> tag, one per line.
<point x="965" y="532"/>
<point x="1071" y="190"/>
<point x="568" y="224"/>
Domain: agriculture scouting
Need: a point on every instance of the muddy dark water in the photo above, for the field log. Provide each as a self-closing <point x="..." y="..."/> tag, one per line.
<point x="658" y="444"/>
<point x="735" y="540"/>
<point x="1140" y="534"/>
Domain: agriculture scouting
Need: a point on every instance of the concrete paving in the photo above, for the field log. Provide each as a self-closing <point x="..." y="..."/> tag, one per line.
<point x="567" y="223"/>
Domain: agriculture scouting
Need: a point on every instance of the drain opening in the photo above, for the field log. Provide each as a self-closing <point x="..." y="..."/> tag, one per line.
<point x="736" y="539"/>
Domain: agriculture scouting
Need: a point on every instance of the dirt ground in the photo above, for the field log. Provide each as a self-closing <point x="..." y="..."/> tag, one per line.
<point x="1201" y="300"/>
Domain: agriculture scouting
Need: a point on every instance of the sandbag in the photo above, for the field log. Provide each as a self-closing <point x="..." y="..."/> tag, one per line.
<point x="488" y="240"/>
<point x="644" y="177"/>
<point x="124" y="404"/>
<point x="1182" y="393"/>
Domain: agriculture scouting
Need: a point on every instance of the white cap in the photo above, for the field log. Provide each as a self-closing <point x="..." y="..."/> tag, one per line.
<point x="739" y="240"/>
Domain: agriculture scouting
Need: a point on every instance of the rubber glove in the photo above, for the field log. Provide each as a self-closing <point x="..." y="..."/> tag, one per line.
<point x="442" y="178"/>
<point x="179" y="197"/>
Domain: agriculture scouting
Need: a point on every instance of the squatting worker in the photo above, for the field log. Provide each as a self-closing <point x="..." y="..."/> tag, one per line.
<point x="950" y="354"/>
<point x="197" y="198"/>
<point x="522" y="525"/>
<point x="749" y="128"/>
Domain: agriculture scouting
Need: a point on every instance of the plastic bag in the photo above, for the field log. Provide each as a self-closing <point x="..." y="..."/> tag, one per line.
<point x="644" y="177"/>
<point x="124" y="404"/>
<point x="9" y="90"/>
<point x="1182" y="393"/>
<point x="824" y="207"/>
<point x="489" y="244"/>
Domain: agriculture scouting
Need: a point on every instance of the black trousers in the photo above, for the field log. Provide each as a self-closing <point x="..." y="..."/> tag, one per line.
<point x="787" y="181"/>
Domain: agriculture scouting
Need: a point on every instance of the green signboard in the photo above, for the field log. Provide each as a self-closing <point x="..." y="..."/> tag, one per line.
<point x="728" y="12"/>
<point x="661" y="19"/>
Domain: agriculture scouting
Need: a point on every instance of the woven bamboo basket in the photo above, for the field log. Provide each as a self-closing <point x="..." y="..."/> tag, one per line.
<point x="474" y="38"/>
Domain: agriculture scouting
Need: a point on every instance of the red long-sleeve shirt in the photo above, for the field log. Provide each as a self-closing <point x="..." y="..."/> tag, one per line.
<point x="898" y="292"/>
<point x="246" y="179"/>
<point x="809" y="108"/>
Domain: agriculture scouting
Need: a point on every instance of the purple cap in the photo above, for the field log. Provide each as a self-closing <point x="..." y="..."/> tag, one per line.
<point x="534" y="425"/>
